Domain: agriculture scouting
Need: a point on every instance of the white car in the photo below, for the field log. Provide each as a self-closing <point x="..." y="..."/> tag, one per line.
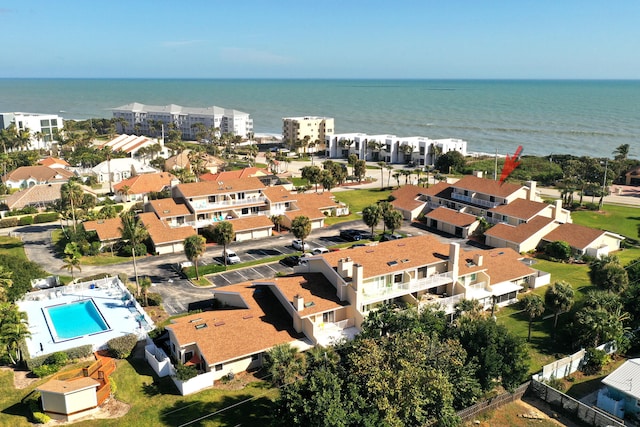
<point x="297" y="244"/>
<point x="320" y="250"/>
<point x="231" y="257"/>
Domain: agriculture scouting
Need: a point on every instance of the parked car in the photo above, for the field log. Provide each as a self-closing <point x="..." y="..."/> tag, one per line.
<point x="351" y="235"/>
<point x="319" y="250"/>
<point x="388" y="237"/>
<point x="290" y="261"/>
<point x="297" y="244"/>
<point x="357" y="245"/>
<point x="231" y="257"/>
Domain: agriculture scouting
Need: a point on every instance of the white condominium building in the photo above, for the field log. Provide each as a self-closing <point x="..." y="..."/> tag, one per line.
<point x="42" y="127"/>
<point x="304" y="134"/>
<point x="148" y="119"/>
<point x="420" y="150"/>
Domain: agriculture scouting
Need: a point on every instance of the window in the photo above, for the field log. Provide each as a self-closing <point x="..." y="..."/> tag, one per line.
<point x="245" y="211"/>
<point x="328" y="317"/>
<point x="44" y="122"/>
<point x="255" y="357"/>
<point x="187" y="356"/>
<point x="218" y="367"/>
<point x="54" y="122"/>
<point x="397" y="278"/>
<point x="240" y="196"/>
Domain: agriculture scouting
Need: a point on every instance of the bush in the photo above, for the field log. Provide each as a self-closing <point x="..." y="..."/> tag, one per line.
<point x="556" y="383"/>
<point x="185" y="373"/>
<point x="45" y="370"/>
<point x="46" y="217"/>
<point x="8" y="222"/>
<point x="25" y="220"/>
<point x="594" y="360"/>
<point x="121" y="347"/>
<point x="51" y="364"/>
<point x="559" y="250"/>
<point x="125" y="250"/>
<point x="591" y="206"/>
<point x="113" y="386"/>
<point x="80" y="352"/>
<point x="41" y="418"/>
<point x="153" y="299"/>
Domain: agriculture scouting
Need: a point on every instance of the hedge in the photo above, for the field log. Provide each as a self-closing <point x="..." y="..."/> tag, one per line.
<point x="46" y="217"/>
<point x="121" y="347"/>
<point x="9" y="222"/>
<point x="72" y="353"/>
<point x="204" y="270"/>
<point x="25" y="220"/>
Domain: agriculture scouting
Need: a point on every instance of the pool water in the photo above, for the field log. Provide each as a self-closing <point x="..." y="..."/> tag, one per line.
<point x="75" y="320"/>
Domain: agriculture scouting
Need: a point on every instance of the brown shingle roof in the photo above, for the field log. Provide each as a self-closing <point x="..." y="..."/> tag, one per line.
<point x="39" y="173"/>
<point x="521" y="209"/>
<point x="205" y="188"/>
<point x="577" y="236"/>
<point x="451" y="216"/>
<point x="251" y="223"/>
<point x="406" y="196"/>
<point x="262" y="325"/>
<point x="395" y="255"/>
<point x="107" y="229"/>
<point x="160" y="232"/>
<point x="520" y="233"/>
<point x="311" y="213"/>
<point x="146" y="183"/>
<point x="278" y="193"/>
<point x="64" y="387"/>
<point x="49" y="161"/>
<point x="168" y="208"/>
<point x="486" y="186"/>
<point x="323" y="200"/>
<point x="235" y="174"/>
<point x="502" y="264"/>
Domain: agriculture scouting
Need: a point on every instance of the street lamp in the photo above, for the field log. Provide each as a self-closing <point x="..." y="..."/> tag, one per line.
<point x="604" y="183"/>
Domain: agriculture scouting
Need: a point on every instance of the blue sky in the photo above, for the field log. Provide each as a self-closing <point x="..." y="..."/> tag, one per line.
<point x="519" y="39"/>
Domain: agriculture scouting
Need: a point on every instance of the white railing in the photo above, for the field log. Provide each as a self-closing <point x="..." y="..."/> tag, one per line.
<point x="448" y="304"/>
<point x="474" y="200"/>
<point x="204" y="205"/>
<point x="397" y="289"/>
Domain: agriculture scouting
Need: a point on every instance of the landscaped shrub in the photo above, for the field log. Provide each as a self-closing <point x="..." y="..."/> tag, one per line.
<point x="25" y="220"/>
<point x="121" y="347"/>
<point x="594" y="361"/>
<point x="558" y="250"/>
<point x="153" y="299"/>
<point x="125" y="250"/>
<point x="51" y="364"/>
<point x="8" y="222"/>
<point x="185" y="373"/>
<point x="41" y="418"/>
<point x="591" y="206"/>
<point x="46" y="217"/>
<point x="80" y="352"/>
<point x="556" y="383"/>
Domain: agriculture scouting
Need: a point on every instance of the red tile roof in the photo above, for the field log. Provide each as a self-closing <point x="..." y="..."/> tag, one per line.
<point x="107" y="229"/>
<point x="235" y="174"/>
<point x="39" y="173"/>
<point x="50" y="161"/>
<point x="406" y="197"/>
<point x="161" y="233"/>
<point x="168" y="208"/>
<point x="146" y="183"/>
<point x="501" y="264"/>
<point x="278" y="193"/>
<point x="251" y="223"/>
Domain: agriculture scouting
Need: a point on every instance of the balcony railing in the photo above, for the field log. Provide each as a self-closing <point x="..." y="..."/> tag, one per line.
<point x="398" y="289"/>
<point x="202" y="205"/>
<point x="474" y="200"/>
<point x="448" y="304"/>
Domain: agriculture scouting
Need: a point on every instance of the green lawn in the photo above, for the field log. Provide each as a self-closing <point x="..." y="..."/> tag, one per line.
<point x="616" y="218"/>
<point x="12" y="246"/>
<point x="156" y="402"/>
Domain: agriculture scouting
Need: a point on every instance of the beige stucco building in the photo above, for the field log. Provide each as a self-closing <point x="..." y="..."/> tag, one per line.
<point x="307" y="134"/>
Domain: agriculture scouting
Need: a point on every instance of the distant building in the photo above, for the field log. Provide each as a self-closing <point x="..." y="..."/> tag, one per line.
<point x="307" y="134"/>
<point x="120" y="169"/>
<point x="42" y="127"/>
<point x="142" y="118"/>
<point x="131" y="144"/>
<point x="28" y="176"/>
<point x="419" y="150"/>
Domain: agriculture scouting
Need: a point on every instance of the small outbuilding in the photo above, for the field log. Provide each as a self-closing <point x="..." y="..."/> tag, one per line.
<point x="69" y="400"/>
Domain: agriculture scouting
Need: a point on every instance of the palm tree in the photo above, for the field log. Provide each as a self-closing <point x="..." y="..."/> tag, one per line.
<point x="396" y="176"/>
<point x="13" y="330"/>
<point x="6" y="282"/>
<point x="533" y="305"/>
<point x="277" y="221"/>
<point x="284" y="363"/>
<point x="559" y="299"/>
<point x="381" y="164"/>
<point x="72" y="262"/>
<point x="371" y="217"/>
<point x="133" y="231"/>
<point x="222" y="234"/>
<point x="301" y="228"/>
<point x="194" y="247"/>
<point x="72" y="193"/>
<point x="468" y="307"/>
<point x="145" y="284"/>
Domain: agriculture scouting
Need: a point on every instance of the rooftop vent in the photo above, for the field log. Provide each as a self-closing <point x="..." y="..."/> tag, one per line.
<point x="166" y="211"/>
<point x="195" y="320"/>
<point x="201" y="325"/>
<point x="247" y="316"/>
<point x="405" y="260"/>
<point x="220" y="323"/>
<point x="309" y="304"/>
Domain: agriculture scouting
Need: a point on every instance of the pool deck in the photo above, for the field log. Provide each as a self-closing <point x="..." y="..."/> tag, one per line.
<point x="117" y="305"/>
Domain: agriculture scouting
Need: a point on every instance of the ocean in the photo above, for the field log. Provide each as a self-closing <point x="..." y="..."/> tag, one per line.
<point x="545" y="117"/>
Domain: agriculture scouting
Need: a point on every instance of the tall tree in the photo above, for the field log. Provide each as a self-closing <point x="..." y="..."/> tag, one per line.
<point x="533" y="305"/>
<point x="145" y="285"/>
<point x="359" y="169"/>
<point x="301" y="228"/>
<point x="311" y="174"/>
<point x="385" y="207"/>
<point x="194" y="248"/>
<point x="559" y="298"/>
<point x="72" y="262"/>
<point x="133" y="231"/>
<point x="606" y="273"/>
<point x="284" y="363"/>
<point x="381" y="165"/>
<point x="277" y="221"/>
<point x="222" y="234"/>
<point x="392" y="220"/>
<point x="371" y="216"/>
<point x="13" y="329"/>
<point x="71" y="195"/>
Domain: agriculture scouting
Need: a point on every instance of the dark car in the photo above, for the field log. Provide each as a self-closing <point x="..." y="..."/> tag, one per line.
<point x="388" y="237"/>
<point x="351" y="235"/>
<point x="290" y="261"/>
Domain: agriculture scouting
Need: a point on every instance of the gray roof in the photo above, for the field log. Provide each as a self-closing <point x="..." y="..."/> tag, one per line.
<point x="178" y="109"/>
<point x="626" y="378"/>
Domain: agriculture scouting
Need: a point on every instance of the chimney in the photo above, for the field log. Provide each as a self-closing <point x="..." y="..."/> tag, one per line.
<point x="477" y="259"/>
<point x="174" y="182"/>
<point x="345" y="267"/>
<point x="358" y="276"/>
<point x="477" y="174"/>
<point x="454" y="260"/>
<point x="557" y="210"/>
<point x="532" y="191"/>
<point x="298" y="302"/>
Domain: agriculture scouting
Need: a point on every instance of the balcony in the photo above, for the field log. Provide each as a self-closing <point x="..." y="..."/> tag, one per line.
<point x="330" y="333"/>
<point x="447" y="304"/>
<point x="399" y="289"/>
<point x="203" y="205"/>
<point x="474" y="200"/>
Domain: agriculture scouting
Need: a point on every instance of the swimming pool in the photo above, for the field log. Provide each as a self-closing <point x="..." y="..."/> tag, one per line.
<point x="74" y="320"/>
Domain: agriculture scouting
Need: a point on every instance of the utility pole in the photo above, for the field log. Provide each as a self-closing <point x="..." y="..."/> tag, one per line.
<point x="495" y="168"/>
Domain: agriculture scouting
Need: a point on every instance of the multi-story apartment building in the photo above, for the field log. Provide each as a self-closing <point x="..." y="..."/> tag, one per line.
<point x="307" y="134"/>
<point x="42" y="127"/>
<point x="146" y="119"/>
<point x="331" y="295"/>
<point x="419" y="150"/>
